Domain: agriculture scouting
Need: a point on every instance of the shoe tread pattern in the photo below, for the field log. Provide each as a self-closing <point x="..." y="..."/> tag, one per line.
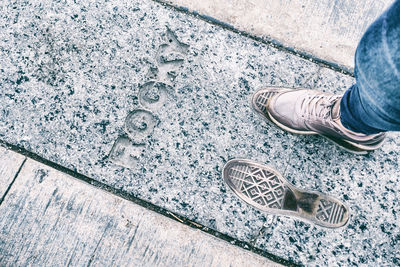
<point x="258" y="185"/>
<point x="261" y="99"/>
<point x="330" y="212"/>
<point x="266" y="189"/>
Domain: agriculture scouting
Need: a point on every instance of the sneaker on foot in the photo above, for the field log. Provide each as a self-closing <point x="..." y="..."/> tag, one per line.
<point x="307" y="111"/>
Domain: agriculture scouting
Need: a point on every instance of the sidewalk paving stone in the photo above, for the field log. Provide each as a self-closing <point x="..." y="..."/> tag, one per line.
<point x="327" y="29"/>
<point x="51" y="219"/>
<point x="71" y="74"/>
<point x="10" y="164"/>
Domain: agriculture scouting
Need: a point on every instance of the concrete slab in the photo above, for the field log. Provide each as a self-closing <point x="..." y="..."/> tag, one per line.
<point x="50" y="219"/>
<point x="70" y="83"/>
<point x="72" y="75"/>
<point x="10" y="163"/>
<point x="326" y="29"/>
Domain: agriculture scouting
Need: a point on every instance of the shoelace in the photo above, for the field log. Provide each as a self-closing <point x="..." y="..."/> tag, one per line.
<point x="318" y="106"/>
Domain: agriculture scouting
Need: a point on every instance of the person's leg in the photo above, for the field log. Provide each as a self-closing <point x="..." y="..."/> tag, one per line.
<point x="372" y="105"/>
<point x="358" y="120"/>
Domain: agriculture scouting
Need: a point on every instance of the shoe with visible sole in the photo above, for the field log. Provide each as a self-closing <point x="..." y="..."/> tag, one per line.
<point x="310" y="112"/>
<point x="267" y="190"/>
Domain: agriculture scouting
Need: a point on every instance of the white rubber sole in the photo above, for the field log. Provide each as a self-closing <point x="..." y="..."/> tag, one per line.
<point x="267" y="190"/>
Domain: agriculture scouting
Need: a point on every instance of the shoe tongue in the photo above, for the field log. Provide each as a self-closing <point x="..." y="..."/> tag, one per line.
<point x="336" y="110"/>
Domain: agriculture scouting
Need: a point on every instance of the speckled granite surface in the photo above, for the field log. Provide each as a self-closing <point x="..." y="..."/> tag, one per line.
<point x="71" y="75"/>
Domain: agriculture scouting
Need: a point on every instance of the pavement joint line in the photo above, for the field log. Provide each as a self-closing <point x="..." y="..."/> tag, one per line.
<point x="314" y="75"/>
<point x="13" y="180"/>
<point x="265" y="40"/>
<point x="130" y="197"/>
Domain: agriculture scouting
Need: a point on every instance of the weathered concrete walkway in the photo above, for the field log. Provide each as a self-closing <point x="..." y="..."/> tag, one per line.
<point x="49" y="218"/>
<point x="326" y="29"/>
<point x="152" y="102"/>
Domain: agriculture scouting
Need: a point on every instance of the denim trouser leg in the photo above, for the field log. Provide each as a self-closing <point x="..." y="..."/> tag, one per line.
<point x="373" y="104"/>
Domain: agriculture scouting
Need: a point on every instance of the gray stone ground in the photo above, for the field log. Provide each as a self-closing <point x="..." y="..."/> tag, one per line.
<point x="51" y="219"/>
<point x="71" y="74"/>
<point x="327" y="29"/>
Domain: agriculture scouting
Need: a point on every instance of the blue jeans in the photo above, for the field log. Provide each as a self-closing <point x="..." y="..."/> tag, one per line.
<point x="372" y="105"/>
